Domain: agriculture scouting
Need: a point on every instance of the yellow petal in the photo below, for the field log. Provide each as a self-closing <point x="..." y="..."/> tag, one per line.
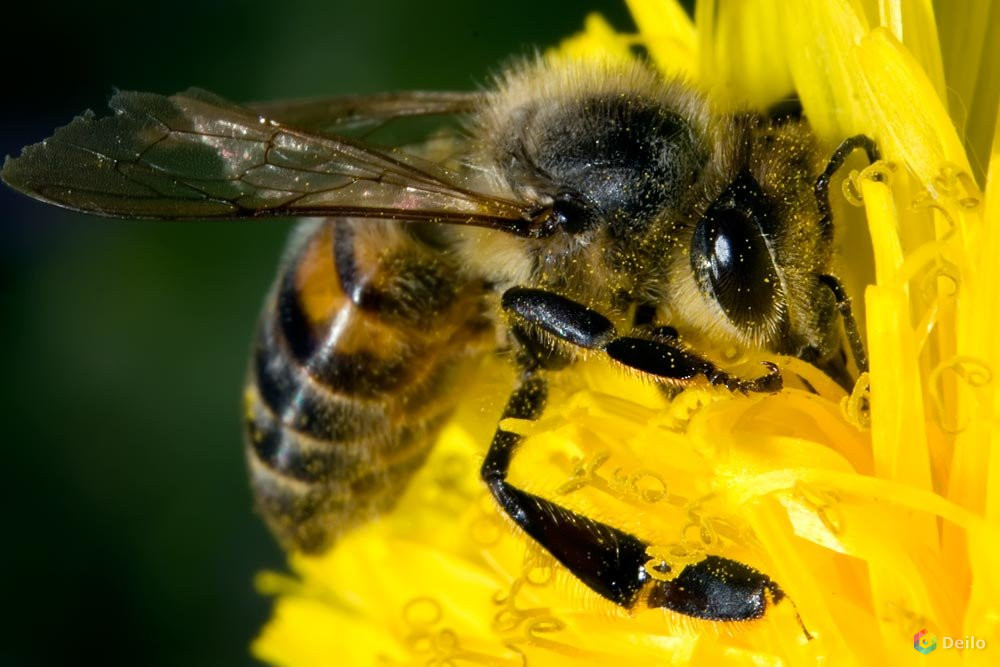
<point x="742" y="57"/>
<point x="597" y="40"/>
<point x="818" y="37"/>
<point x="912" y="24"/>
<point x="904" y="111"/>
<point x="669" y="36"/>
<point x="970" y="46"/>
<point x="986" y="310"/>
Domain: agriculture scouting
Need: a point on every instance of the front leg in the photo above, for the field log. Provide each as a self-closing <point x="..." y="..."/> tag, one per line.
<point x="609" y="561"/>
<point x="660" y="356"/>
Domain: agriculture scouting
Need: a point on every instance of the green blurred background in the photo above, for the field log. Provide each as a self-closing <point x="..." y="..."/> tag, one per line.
<point x="130" y="538"/>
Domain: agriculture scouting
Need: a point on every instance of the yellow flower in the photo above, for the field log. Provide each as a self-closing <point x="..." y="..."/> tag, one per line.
<point x="878" y="513"/>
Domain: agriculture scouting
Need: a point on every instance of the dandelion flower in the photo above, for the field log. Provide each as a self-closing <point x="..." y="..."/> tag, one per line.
<point x="877" y="512"/>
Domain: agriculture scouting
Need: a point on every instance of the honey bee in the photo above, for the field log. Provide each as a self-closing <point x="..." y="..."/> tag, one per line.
<point x="583" y="209"/>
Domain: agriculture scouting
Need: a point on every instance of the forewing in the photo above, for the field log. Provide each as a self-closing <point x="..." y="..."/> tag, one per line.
<point x="195" y="155"/>
<point x="353" y="113"/>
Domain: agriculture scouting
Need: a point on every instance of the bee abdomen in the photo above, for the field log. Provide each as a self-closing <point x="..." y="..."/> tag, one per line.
<point x="355" y="368"/>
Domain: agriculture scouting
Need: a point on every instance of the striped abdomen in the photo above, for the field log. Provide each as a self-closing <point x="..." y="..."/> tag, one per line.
<point x="357" y="365"/>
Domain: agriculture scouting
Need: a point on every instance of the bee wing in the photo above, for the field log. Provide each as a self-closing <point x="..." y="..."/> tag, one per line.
<point x="195" y="155"/>
<point x="349" y="113"/>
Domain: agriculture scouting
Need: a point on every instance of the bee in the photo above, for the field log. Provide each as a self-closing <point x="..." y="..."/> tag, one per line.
<point x="584" y="209"/>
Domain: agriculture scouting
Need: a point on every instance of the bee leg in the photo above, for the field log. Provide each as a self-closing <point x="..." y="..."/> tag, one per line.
<point x="662" y="356"/>
<point x="822" y="191"/>
<point x="822" y="187"/>
<point x="850" y="324"/>
<point x="611" y="562"/>
<point x="645" y="320"/>
<point x="669" y="361"/>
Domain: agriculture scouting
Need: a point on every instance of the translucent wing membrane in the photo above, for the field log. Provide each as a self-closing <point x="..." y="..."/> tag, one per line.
<point x="351" y="113"/>
<point x="194" y="155"/>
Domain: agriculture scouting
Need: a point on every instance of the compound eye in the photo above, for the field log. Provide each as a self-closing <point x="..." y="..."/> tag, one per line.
<point x="731" y="258"/>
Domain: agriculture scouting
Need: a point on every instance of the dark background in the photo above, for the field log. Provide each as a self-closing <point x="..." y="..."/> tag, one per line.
<point x="128" y="533"/>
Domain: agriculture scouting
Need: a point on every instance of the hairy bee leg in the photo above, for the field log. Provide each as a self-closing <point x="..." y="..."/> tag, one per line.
<point x="670" y="362"/>
<point x="822" y="187"/>
<point x="609" y="561"/>
<point x="563" y="318"/>
<point x="850" y="324"/>
<point x="578" y="325"/>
